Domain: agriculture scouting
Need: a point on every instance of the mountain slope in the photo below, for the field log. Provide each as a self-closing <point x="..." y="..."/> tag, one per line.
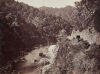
<point x="68" y="13"/>
<point x="25" y="27"/>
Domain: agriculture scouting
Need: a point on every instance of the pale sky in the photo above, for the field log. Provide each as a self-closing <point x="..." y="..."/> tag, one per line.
<point x="49" y="3"/>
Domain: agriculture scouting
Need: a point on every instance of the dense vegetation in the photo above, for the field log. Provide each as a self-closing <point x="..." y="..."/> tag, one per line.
<point x="23" y="27"/>
<point x="79" y="56"/>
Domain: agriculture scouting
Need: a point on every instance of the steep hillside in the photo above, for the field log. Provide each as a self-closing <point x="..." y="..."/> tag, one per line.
<point x="79" y="53"/>
<point x="50" y="40"/>
<point x="68" y="13"/>
<point x="24" y="27"/>
<point x="65" y="12"/>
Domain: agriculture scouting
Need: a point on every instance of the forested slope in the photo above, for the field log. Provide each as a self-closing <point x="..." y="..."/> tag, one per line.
<point x="72" y="44"/>
<point x="24" y="27"/>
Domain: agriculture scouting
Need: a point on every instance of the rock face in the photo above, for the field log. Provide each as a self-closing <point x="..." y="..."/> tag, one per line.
<point x="89" y="35"/>
<point x="76" y="57"/>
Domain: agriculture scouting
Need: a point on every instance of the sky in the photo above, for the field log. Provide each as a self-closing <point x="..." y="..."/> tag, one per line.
<point x="49" y="3"/>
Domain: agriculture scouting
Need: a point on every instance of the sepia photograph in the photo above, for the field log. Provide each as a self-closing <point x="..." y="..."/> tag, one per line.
<point x="49" y="36"/>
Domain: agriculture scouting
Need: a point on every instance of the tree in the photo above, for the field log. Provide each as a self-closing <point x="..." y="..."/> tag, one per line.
<point x="88" y="12"/>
